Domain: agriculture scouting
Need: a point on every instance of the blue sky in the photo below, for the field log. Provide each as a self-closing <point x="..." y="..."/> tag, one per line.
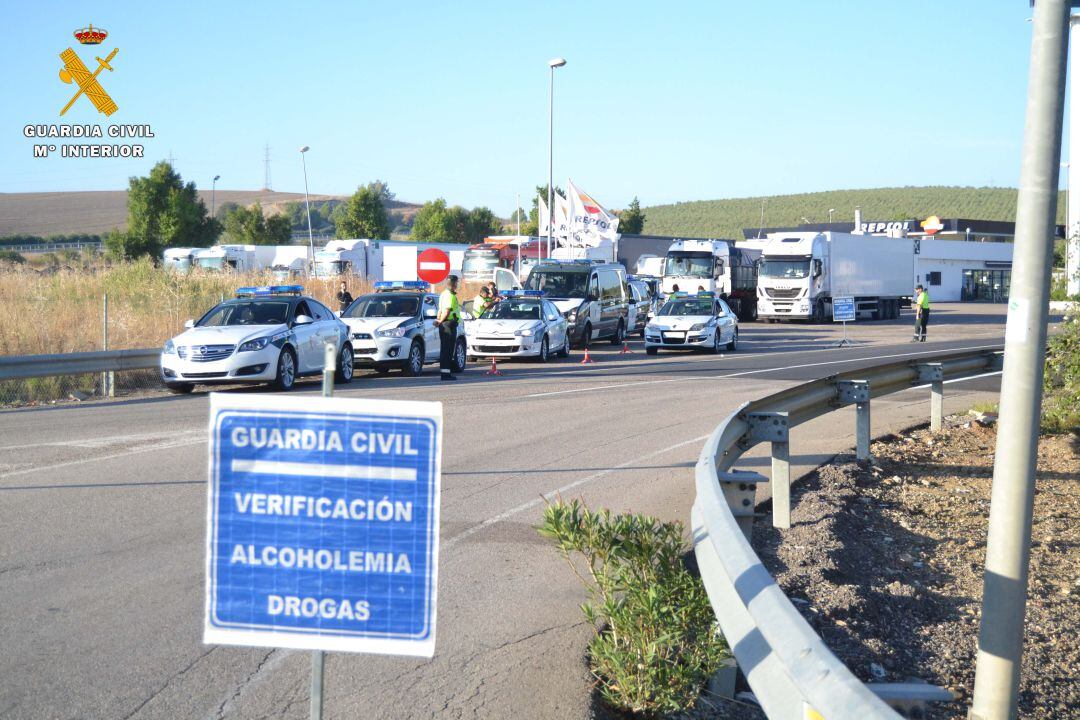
<point x="667" y="101"/>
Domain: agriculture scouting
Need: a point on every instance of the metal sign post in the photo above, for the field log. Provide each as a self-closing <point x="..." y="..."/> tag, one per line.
<point x="843" y="310"/>
<point x="322" y="524"/>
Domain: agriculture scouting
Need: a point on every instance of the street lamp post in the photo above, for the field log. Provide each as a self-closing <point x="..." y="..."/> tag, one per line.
<point x="307" y="205"/>
<point x="552" y="64"/>
<point x="213" y="196"/>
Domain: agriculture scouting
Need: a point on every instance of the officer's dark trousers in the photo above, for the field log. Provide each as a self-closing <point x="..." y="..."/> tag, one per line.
<point x="920" y="324"/>
<point x="447" y="336"/>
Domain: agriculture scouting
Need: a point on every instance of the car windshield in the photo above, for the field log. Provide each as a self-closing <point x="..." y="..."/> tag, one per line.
<point x="689" y="264"/>
<point x="247" y="312"/>
<point x="688" y="306"/>
<point x="371" y="306"/>
<point x="513" y="309"/>
<point x="792" y="269"/>
<point x="558" y="283"/>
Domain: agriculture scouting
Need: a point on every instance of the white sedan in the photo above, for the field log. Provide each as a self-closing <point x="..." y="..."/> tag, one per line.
<point x="522" y="324"/>
<point x="266" y="335"/>
<point x="693" y="322"/>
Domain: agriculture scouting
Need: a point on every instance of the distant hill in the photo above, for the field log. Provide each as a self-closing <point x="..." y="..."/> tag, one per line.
<point x="98" y="212"/>
<point x="727" y="218"/>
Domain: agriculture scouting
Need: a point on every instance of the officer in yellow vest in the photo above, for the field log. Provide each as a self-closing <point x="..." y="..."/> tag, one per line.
<point x="922" y="313"/>
<point x="447" y="320"/>
<point x="482" y="302"/>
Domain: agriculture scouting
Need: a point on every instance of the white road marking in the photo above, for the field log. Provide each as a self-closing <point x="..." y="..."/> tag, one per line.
<point x="964" y="379"/>
<point x="133" y="451"/>
<point x="552" y="494"/>
<point x="749" y="372"/>
<point x="105" y="441"/>
<point x="329" y="470"/>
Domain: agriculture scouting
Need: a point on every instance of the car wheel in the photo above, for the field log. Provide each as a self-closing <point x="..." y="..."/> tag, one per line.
<point x="344" y="373"/>
<point x="716" y="341"/>
<point x="286" y="370"/>
<point x="651" y="350"/>
<point x="586" y="336"/>
<point x="545" y="351"/>
<point x="734" y="344"/>
<point x="620" y="334"/>
<point x="414" y="364"/>
<point x="179" y="388"/>
<point x="459" y="356"/>
<point x="565" y="351"/>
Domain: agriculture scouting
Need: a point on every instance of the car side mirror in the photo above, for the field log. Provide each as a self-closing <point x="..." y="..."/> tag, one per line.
<point x="430" y="313"/>
<point x="189" y="324"/>
<point x="303" y="320"/>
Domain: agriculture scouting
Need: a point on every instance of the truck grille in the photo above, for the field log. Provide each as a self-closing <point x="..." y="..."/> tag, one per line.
<point x="204" y="353"/>
<point x="778" y="293"/>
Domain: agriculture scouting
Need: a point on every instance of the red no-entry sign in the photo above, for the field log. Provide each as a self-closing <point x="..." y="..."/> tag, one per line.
<point x="432" y="265"/>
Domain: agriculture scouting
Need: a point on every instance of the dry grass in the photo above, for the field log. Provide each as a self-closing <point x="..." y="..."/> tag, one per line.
<point x="60" y="311"/>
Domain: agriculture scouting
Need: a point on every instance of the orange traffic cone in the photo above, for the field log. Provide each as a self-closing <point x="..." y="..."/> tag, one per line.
<point x="494" y="370"/>
<point x="587" y="359"/>
<point x="626" y="349"/>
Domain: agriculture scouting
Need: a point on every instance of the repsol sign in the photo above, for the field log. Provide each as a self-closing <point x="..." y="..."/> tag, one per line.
<point x="884" y="227"/>
<point x="586" y="221"/>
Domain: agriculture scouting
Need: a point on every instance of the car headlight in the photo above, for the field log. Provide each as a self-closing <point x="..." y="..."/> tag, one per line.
<point x="253" y="345"/>
<point x="697" y="326"/>
<point x="571" y="316"/>
<point x="392" y="332"/>
<point x="169" y="348"/>
<point x="524" y="332"/>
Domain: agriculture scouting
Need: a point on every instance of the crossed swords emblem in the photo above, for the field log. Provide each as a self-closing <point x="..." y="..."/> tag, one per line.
<point x="87" y="81"/>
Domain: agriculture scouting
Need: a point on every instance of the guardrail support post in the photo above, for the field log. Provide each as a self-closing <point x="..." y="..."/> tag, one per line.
<point x="932" y="373"/>
<point x="772" y="427"/>
<point x="858" y="392"/>
<point x="108" y="378"/>
<point x="740" y="491"/>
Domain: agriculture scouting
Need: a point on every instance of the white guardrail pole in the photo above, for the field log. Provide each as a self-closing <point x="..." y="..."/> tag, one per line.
<point x="792" y="672"/>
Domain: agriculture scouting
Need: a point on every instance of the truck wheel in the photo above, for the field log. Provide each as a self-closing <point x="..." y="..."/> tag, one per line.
<point x="344" y="372"/>
<point x="286" y="370"/>
<point x="819" y="312"/>
<point x="414" y="363"/>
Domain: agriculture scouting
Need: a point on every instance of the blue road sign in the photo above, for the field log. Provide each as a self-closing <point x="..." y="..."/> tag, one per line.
<point x="843" y="309"/>
<point x="323" y="523"/>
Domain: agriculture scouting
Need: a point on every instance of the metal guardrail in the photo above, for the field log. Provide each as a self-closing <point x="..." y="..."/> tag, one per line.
<point x="31" y="366"/>
<point x="792" y="672"/>
<point x="51" y="246"/>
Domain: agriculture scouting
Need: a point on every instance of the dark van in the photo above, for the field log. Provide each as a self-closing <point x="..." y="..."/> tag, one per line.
<point x="591" y="295"/>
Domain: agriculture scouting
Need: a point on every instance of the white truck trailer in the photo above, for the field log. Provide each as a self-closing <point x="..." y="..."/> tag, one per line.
<point x="237" y="258"/>
<point x="379" y="259"/>
<point x="716" y="266"/>
<point x="179" y="258"/>
<point x="801" y="272"/>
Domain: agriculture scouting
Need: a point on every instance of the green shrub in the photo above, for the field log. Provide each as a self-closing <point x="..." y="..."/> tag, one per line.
<point x="657" y="641"/>
<point x="12" y="257"/>
<point x="1061" y="379"/>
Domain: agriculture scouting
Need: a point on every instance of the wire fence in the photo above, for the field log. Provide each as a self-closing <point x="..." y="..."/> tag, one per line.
<point x="24" y="392"/>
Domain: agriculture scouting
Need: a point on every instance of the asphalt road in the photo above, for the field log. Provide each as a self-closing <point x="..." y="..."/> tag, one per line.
<point x="102" y="527"/>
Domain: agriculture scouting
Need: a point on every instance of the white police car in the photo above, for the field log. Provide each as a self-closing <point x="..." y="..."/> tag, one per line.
<point x="522" y="324"/>
<point x="266" y="334"/>
<point x="693" y="322"/>
<point x="394" y="327"/>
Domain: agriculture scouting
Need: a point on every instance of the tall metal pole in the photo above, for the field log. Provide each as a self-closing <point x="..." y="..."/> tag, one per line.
<point x="318" y="657"/>
<point x="551" y="136"/>
<point x="307" y="206"/>
<point x="213" y="196"/>
<point x="1001" y="633"/>
<point x="1072" y="199"/>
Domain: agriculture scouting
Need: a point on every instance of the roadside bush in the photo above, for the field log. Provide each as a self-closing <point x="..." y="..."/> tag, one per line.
<point x="12" y="257"/>
<point x="656" y="642"/>
<point x="1061" y="379"/>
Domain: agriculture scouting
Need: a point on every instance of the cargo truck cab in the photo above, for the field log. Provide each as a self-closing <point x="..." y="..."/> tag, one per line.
<point x="713" y="266"/>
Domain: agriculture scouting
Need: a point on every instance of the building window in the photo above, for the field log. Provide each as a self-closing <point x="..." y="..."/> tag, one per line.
<point x="934" y="278"/>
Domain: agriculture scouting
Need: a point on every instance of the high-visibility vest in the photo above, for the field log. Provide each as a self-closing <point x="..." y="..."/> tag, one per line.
<point x="448" y="301"/>
<point x="924" y="300"/>
<point x="479" y="305"/>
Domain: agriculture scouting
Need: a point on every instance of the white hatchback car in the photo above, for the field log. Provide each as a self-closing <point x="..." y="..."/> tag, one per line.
<point x="522" y="324"/>
<point x="266" y="334"/>
<point x="693" y="322"/>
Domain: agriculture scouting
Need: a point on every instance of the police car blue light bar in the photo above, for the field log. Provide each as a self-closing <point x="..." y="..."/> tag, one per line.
<point x="267" y="290"/>
<point x="401" y="285"/>
<point x="523" y="293"/>
<point x="705" y="295"/>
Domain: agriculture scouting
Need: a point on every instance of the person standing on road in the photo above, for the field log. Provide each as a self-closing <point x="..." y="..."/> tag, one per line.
<point x="344" y="298"/>
<point x="447" y="321"/>
<point x="922" y="313"/>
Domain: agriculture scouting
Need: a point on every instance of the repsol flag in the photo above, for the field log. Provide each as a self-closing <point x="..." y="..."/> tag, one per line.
<point x="561" y="226"/>
<point x="589" y="221"/>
